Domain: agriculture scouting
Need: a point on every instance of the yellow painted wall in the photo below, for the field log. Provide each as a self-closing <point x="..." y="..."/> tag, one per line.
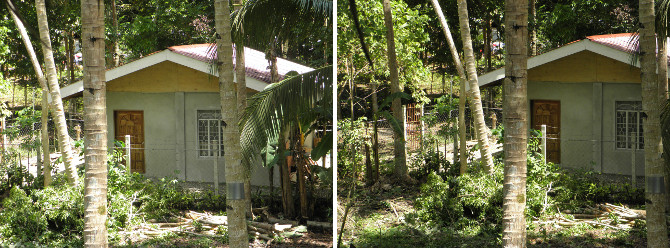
<point x="586" y="67"/>
<point x="166" y="77"/>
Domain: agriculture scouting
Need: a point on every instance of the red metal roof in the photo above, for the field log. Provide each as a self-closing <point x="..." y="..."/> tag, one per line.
<point x="626" y="42"/>
<point x="256" y="65"/>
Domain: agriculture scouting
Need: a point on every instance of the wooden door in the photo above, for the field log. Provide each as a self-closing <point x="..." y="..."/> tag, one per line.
<point x="131" y="123"/>
<point x="548" y="113"/>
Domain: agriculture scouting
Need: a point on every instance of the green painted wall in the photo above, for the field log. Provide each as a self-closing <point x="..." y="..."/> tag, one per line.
<point x="171" y="134"/>
<point x="587" y="123"/>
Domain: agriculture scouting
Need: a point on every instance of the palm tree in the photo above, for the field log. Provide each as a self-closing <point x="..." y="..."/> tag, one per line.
<point x="515" y="105"/>
<point x="651" y="100"/>
<point x="95" y="119"/>
<point x="475" y="98"/>
<point x="266" y="24"/>
<point x="400" y="169"/>
<point x="54" y="88"/>
<point x="58" y="113"/>
<point x="241" y="74"/>
<point x="231" y="135"/>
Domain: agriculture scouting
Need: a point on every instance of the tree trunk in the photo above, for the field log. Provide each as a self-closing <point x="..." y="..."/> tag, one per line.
<point x="46" y="155"/>
<point x="285" y="176"/>
<point x="95" y="119"/>
<point x="71" y="173"/>
<point x="300" y="163"/>
<point x="462" y="81"/>
<point x="115" y="28"/>
<point x="70" y="40"/>
<point x="487" y="41"/>
<point x="516" y="123"/>
<point x="375" y="137"/>
<point x="663" y="92"/>
<point x="657" y="233"/>
<point x="241" y="75"/>
<point x="235" y="173"/>
<point x="532" y="29"/>
<point x="475" y="97"/>
<point x="54" y="88"/>
<point x="400" y="170"/>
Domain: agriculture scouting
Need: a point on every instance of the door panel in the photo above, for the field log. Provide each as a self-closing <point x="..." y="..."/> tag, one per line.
<point x="131" y="123"/>
<point x="549" y="113"/>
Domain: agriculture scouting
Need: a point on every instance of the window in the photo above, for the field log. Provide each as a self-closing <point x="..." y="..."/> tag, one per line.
<point x="629" y="131"/>
<point x="210" y="138"/>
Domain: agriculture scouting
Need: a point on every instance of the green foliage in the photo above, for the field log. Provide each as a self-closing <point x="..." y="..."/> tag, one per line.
<point x="352" y="139"/>
<point x="410" y="36"/>
<point x="13" y="174"/>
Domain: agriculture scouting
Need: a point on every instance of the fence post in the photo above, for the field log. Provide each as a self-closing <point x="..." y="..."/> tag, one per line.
<point x="128" y="157"/>
<point x="39" y="155"/>
<point x="455" y="141"/>
<point x="77" y="130"/>
<point x="216" y="174"/>
<point x="2" y="129"/>
<point x="632" y="160"/>
<point x="422" y="126"/>
<point x="543" y="129"/>
<point x="404" y="124"/>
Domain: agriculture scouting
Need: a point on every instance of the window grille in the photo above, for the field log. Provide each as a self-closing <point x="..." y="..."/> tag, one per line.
<point x="210" y="130"/>
<point x="629" y="131"/>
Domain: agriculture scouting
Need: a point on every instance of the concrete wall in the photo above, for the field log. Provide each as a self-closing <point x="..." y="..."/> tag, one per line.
<point x="618" y="160"/>
<point x="170" y="95"/>
<point x="588" y="124"/>
<point x="576" y="116"/>
<point x="159" y="136"/>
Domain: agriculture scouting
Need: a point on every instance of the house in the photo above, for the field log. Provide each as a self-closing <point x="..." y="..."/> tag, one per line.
<point x="169" y="103"/>
<point x="589" y="96"/>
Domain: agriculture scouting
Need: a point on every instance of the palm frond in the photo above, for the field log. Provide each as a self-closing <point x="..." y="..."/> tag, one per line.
<point x="265" y="21"/>
<point x="295" y="99"/>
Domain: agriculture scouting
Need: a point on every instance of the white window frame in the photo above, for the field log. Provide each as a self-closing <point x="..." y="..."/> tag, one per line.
<point x="211" y="152"/>
<point x="623" y="141"/>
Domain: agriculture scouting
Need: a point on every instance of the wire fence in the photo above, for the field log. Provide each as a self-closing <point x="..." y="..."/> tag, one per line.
<point x="23" y="140"/>
<point x="426" y="128"/>
<point x="619" y="152"/>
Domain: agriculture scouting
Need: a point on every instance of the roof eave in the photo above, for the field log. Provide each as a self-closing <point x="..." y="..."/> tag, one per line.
<point x="562" y="52"/>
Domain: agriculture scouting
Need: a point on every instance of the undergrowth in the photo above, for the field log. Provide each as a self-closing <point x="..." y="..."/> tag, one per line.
<point x="34" y="216"/>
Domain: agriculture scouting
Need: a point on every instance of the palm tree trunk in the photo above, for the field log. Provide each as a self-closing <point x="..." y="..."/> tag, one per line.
<point x="653" y="162"/>
<point x="475" y="96"/>
<point x="235" y="173"/>
<point x="241" y="74"/>
<point x="46" y="155"/>
<point x="71" y="173"/>
<point x="516" y="123"/>
<point x="663" y="92"/>
<point x="462" y="80"/>
<point x="95" y="119"/>
<point x="400" y="170"/>
<point x="54" y="88"/>
<point x="285" y="176"/>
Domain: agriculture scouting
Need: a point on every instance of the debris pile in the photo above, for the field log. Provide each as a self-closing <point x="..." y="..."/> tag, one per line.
<point x="602" y="215"/>
<point x="209" y="225"/>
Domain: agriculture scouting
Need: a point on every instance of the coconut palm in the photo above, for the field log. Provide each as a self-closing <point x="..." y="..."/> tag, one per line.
<point x="651" y="101"/>
<point x="231" y="135"/>
<point x="58" y="113"/>
<point x="475" y="97"/>
<point x="95" y="119"/>
<point x="474" y="86"/>
<point x="266" y="25"/>
<point x="516" y="123"/>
